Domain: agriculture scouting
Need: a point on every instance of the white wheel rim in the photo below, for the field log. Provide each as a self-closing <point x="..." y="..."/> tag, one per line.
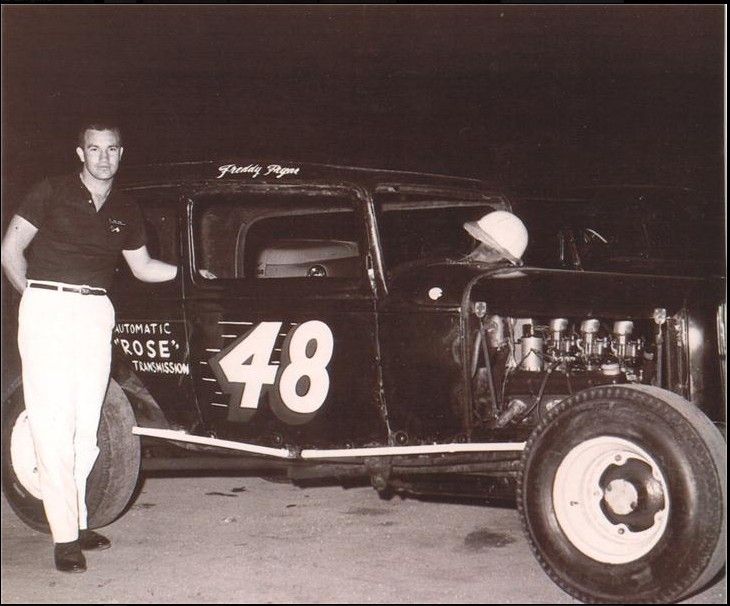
<point x="22" y="455"/>
<point x="591" y="515"/>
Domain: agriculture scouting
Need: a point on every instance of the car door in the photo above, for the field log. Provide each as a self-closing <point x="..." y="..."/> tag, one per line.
<point x="280" y="313"/>
<point x="420" y="320"/>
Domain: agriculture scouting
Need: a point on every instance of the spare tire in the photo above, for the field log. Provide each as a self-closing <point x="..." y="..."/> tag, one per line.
<point x="112" y="480"/>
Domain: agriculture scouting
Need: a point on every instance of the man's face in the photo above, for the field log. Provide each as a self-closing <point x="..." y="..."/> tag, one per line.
<point x="101" y="153"/>
<point x="486" y="254"/>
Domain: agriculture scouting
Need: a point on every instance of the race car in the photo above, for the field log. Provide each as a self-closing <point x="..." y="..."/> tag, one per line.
<point x="328" y="321"/>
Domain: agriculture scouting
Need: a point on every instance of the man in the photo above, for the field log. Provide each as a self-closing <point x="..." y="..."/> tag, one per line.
<point x="501" y="236"/>
<point x="78" y="225"/>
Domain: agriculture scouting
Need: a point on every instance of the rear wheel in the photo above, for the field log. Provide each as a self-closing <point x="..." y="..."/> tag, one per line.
<point x="623" y="495"/>
<point x="112" y="480"/>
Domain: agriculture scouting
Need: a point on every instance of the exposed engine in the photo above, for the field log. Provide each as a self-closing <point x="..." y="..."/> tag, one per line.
<point x="537" y="362"/>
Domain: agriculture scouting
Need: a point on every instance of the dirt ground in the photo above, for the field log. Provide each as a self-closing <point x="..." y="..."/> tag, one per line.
<point x="248" y="540"/>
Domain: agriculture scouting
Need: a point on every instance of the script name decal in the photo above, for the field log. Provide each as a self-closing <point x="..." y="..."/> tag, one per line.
<point x="255" y="170"/>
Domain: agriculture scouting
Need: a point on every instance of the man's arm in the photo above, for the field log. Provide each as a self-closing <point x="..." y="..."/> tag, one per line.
<point x="146" y="268"/>
<point x="19" y="235"/>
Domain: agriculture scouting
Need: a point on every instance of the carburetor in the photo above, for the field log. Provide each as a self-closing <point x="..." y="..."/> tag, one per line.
<point x="588" y="348"/>
<point x="532" y="364"/>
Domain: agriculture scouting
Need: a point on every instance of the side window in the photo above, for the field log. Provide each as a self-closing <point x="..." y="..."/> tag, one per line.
<point x="413" y="231"/>
<point x="285" y="236"/>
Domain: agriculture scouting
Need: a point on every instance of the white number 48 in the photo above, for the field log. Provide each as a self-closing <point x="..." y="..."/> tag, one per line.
<point x="306" y="352"/>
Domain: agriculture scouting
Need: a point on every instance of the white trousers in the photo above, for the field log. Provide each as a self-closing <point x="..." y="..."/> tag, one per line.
<point x="65" y="345"/>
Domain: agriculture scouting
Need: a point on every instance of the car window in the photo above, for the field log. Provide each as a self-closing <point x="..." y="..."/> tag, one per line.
<point x="664" y="229"/>
<point x="577" y="235"/>
<point x="428" y="229"/>
<point x="284" y="236"/>
<point x="601" y="237"/>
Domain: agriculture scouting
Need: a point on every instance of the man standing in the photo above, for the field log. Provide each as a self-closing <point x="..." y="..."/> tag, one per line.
<point x="78" y="224"/>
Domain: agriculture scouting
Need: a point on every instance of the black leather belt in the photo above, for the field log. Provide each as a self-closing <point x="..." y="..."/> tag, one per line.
<point x="82" y="290"/>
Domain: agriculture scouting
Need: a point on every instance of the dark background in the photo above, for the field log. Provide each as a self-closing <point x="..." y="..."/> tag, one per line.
<point x="521" y="96"/>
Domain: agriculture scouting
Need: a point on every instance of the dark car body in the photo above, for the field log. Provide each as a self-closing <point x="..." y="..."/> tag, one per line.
<point x="198" y="320"/>
<point x="328" y="322"/>
<point x="398" y="372"/>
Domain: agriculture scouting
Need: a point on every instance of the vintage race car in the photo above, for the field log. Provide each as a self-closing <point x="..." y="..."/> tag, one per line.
<point x="325" y="321"/>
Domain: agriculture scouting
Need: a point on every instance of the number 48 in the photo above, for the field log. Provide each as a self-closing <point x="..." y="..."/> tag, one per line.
<point x="306" y="352"/>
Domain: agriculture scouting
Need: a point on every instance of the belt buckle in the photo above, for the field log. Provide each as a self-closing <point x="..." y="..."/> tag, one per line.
<point x="85" y="291"/>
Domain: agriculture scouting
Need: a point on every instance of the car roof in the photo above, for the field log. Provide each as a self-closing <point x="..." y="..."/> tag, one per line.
<point x="182" y="173"/>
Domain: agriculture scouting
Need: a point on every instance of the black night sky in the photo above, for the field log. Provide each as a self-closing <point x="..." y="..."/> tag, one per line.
<point x="523" y="96"/>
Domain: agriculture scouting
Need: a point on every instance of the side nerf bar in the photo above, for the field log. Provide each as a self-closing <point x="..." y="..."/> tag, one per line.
<point x="285" y="453"/>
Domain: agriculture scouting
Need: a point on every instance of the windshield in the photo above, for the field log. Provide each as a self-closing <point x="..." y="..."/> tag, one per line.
<point x="620" y="233"/>
<point x="561" y="240"/>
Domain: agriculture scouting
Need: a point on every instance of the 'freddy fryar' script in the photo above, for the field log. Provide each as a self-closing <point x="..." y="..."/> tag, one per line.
<point x="255" y="170"/>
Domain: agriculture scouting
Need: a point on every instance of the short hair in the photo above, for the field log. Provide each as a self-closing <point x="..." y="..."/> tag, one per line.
<point x="98" y="124"/>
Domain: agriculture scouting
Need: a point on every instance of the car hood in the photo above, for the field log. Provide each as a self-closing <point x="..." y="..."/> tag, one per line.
<point x="449" y="284"/>
<point x="441" y="283"/>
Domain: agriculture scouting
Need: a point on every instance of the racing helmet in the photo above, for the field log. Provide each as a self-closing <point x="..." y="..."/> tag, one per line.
<point x="503" y="232"/>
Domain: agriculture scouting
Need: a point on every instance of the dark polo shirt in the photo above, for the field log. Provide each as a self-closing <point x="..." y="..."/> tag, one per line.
<point x="75" y="243"/>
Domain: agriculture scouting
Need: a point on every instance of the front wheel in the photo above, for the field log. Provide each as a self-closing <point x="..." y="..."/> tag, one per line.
<point x="112" y="480"/>
<point x="622" y="495"/>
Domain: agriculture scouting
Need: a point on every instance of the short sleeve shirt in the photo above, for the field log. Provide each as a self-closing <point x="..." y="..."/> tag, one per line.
<point x="75" y="243"/>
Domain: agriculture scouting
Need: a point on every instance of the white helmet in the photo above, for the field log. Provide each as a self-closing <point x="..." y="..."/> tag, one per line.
<point x="502" y="231"/>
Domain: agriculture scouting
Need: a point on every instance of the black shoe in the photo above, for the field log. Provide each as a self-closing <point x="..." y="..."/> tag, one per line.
<point x="68" y="557"/>
<point x="90" y="541"/>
